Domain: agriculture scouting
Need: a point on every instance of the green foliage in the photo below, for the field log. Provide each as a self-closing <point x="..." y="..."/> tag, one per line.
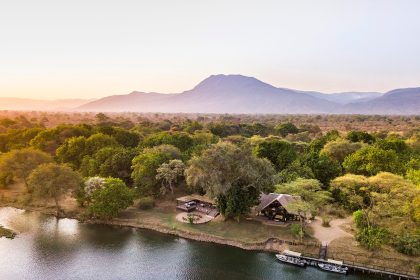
<point x="286" y="128"/>
<point x="108" y="201"/>
<point x="18" y="164"/>
<point x="294" y="171"/>
<point x="237" y="201"/>
<point x="169" y="174"/>
<point x="52" y="180"/>
<point x="145" y="167"/>
<point x="323" y="168"/>
<point x="309" y="190"/>
<point x="372" y="160"/>
<point x="74" y="149"/>
<point x="50" y="139"/>
<point x="280" y="153"/>
<point x="372" y="237"/>
<point x="359" y="219"/>
<point x="146" y="203"/>
<point x="224" y="165"/>
<point x="297" y="230"/>
<point x="360" y="136"/>
<point x="408" y="244"/>
<point x="339" y="149"/>
<point x="109" y="162"/>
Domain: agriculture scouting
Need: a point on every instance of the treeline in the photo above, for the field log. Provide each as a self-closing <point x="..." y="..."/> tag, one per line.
<point x="112" y="161"/>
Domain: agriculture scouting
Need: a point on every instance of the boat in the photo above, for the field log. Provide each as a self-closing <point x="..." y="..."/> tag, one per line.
<point x="333" y="268"/>
<point x="291" y="260"/>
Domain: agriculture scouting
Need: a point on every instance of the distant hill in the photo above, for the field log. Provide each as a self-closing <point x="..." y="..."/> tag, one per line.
<point x="236" y="94"/>
<point x="218" y="94"/>
<point x="241" y="94"/>
<point x="404" y="101"/>
<point x="347" y="97"/>
<point x="23" y="104"/>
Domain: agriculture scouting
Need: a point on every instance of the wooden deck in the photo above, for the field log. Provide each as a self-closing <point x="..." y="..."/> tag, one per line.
<point x="360" y="268"/>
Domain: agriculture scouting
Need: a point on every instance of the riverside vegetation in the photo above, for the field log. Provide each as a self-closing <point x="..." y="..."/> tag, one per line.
<point x="112" y="162"/>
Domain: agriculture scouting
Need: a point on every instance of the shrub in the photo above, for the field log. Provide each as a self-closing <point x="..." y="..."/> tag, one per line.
<point x="296" y="230"/>
<point x="145" y="203"/>
<point x="326" y="221"/>
<point x="408" y="244"/>
<point x="372" y="237"/>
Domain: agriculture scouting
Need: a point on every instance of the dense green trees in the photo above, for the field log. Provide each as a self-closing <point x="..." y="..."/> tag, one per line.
<point x="145" y="166"/>
<point x="52" y="181"/>
<point x="108" y="200"/>
<point x="18" y="164"/>
<point x="371" y="160"/>
<point x="224" y="170"/>
<point x="339" y="149"/>
<point x="231" y="158"/>
<point x="280" y="153"/>
<point x="387" y="207"/>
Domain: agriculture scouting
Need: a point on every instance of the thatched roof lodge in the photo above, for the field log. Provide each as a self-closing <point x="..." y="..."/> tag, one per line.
<point x="276" y="206"/>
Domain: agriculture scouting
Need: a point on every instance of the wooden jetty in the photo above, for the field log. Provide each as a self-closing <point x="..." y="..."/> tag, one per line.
<point x="365" y="270"/>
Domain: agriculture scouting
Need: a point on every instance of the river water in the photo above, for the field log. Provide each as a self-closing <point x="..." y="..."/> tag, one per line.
<point x="47" y="248"/>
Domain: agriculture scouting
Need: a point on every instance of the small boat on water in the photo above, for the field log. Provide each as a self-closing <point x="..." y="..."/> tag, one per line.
<point x="333" y="268"/>
<point x="291" y="260"/>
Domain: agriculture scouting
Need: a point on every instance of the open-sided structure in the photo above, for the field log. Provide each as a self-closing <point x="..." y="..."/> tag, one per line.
<point x="276" y="206"/>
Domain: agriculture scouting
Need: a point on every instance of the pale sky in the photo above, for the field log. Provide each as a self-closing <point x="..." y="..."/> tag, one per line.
<point x="88" y="49"/>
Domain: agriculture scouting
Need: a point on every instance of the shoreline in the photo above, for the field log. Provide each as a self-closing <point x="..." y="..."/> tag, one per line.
<point x="116" y="222"/>
<point x="271" y="245"/>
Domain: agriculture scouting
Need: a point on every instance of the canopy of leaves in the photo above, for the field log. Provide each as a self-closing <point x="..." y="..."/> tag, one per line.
<point x="109" y="200"/>
<point x="372" y="160"/>
<point x="18" y="164"/>
<point x="145" y="167"/>
<point x="52" y="180"/>
<point x="339" y="149"/>
<point x="280" y="153"/>
<point x="224" y="165"/>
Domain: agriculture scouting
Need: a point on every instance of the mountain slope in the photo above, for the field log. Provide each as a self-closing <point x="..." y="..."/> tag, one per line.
<point x="219" y="94"/>
<point x="405" y="101"/>
<point x="347" y="97"/>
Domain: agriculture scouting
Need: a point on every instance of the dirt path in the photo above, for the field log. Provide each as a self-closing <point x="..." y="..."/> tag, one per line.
<point x="328" y="234"/>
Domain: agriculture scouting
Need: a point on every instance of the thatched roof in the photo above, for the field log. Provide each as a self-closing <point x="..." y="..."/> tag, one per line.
<point x="283" y="199"/>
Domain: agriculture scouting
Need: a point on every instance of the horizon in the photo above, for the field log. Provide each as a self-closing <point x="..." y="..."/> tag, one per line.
<point x="92" y="50"/>
<point x="152" y="92"/>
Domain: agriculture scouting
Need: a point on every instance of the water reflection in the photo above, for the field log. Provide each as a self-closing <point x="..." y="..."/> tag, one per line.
<point x="48" y="248"/>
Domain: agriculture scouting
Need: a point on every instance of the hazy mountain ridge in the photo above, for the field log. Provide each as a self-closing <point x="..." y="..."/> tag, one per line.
<point x="241" y="94"/>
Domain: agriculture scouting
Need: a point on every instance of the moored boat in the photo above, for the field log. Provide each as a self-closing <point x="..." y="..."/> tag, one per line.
<point x="333" y="268"/>
<point x="291" y="260"/>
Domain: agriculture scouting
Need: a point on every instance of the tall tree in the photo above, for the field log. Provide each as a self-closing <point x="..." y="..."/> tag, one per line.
<point x="145" y="166"/>
<point x="225" y="166"/>
<point x="18" y="164"/>
<point x="52" y="181"/>
<point x="169" y="174"/>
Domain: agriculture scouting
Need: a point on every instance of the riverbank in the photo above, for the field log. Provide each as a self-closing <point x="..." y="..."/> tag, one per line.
<point x="247" y="235"/>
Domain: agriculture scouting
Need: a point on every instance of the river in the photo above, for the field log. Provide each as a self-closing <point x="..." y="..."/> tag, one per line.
<point x="47" y="248"/>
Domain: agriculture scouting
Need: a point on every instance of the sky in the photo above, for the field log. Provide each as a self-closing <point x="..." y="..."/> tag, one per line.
<point x="53" y="49"/>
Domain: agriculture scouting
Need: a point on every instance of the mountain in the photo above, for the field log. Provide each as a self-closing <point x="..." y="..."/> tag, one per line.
<point x="218" y="94"/>
<point x="23" y="104"/>
<point x="237" y="94"/>
<point x="404" y="101"/>
<point x="347" y="97"/>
